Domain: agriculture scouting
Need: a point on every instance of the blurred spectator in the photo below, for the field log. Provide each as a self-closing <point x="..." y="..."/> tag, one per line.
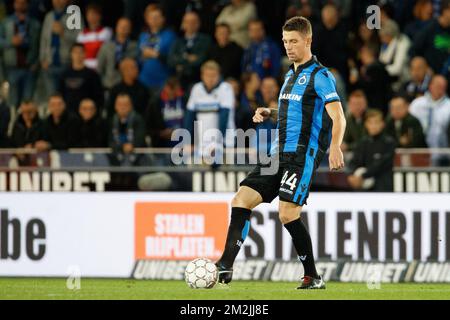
<point x="423" y="13"/>
<point x="250" y="99"/>
<point x="59" y="127"/>
<point x="94" y="35"/>
<point x="301" y="8"/>
<point x="28" y="130"/>
<point x="363" y="37"/>
<point x="433" y="112"/>
<point x="372" y="78"/>
<point x="420" y="76"/>
<point x="154" y="46"/>
<point x="432" y="41"/>
<point x="394" y="51"/>
<point x="329" y="44"/>
<point x="211" y="104"/>
<point x="127" y="132"/>
<point x="446" y="73"/>
<point x="269" y="92"/>
<point x="166" y="114"/>
<point x="355" y="131"/>
<point x="402" y="126"/>
<point x="133" y="10"/>
<point x="373" y="157"/>
<point x="5" y="117"/>
<point x="188" y="53"/>
<point x="79" y="82"/>
<point x="263" y="56"/>
<point x="226" y="53"/>
<point x="238" y="15"/>
<point x="114" y="51"/>
<point x="56" y="41"/>
<point x="90" y="130"/>
<point x="19" y="43"/>
<point x="131" y="85"/>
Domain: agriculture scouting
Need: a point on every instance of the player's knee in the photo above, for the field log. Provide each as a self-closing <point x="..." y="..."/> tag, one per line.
<point x="286" y="218"/>
<point x="240" y="202"/>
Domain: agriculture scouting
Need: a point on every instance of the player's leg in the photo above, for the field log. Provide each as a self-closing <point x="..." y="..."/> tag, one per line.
<point x="241" y="207"/>
<point x="294" y="191"/>
<point x="290" y="216"/>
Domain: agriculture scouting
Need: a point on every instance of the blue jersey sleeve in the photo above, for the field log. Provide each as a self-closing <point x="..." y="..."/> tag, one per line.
<point x="325" y="86"/>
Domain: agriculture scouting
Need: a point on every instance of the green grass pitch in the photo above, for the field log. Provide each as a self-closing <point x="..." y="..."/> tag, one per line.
<point x="55" y="289"/>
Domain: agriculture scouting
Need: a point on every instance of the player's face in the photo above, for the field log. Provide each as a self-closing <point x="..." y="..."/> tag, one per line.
<point x="296" y="45"/>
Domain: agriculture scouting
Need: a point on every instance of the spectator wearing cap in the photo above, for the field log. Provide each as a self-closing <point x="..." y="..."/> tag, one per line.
<point x="114" y="51"/>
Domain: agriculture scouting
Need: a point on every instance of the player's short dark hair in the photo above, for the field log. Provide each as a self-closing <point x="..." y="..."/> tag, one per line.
<point x="300" y="24"/>
<point x="373" y="113"/>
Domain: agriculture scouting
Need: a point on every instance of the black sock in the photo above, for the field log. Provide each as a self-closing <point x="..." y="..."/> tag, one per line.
<point x="237" y="232"/>
<point x="303" y="246"/>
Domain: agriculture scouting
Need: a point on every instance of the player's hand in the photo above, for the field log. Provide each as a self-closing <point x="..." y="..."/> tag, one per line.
<point x="336" y="158"/>
<point x="261" y="115"/>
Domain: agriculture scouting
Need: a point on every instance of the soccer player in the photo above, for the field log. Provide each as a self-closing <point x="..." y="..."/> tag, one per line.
<point x="310" y="120"/>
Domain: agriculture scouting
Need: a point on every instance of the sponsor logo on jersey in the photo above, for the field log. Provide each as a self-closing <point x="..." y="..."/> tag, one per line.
<point x="291" y="96"/>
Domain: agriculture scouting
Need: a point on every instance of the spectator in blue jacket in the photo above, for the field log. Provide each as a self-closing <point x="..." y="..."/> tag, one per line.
<point x="154" y="48"/>
<point x="263" y="56"/>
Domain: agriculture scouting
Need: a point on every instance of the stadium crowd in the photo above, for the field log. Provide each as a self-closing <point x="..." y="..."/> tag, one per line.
<point x="137" y="70"/>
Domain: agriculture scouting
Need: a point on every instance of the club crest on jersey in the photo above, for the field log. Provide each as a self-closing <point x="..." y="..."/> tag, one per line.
<point x="302" y="80"/>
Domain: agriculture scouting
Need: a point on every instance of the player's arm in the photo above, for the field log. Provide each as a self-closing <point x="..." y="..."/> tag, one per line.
<point x="336" y="114"/>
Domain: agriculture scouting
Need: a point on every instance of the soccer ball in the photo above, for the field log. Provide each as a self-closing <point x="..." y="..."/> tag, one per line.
<point x="201" y="273"/>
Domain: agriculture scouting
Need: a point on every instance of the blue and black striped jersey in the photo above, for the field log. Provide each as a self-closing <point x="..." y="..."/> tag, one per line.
<point x="303" y="122"/>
